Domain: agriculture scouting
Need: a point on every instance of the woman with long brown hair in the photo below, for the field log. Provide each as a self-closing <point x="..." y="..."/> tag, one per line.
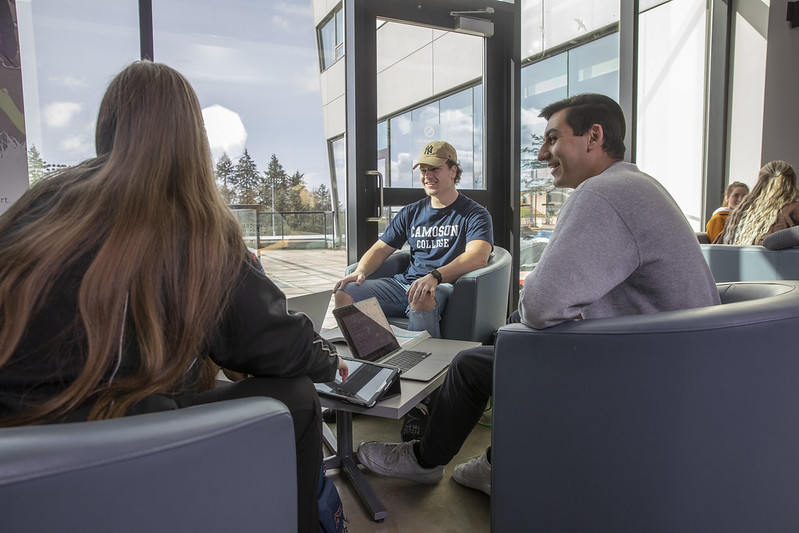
<point x="121" y="277"/>
<point x="771" y="206"/>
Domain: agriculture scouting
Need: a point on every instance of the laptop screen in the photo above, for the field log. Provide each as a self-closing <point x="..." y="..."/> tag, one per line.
<point x="366" y="329"/>
<point x="313" y="305"/>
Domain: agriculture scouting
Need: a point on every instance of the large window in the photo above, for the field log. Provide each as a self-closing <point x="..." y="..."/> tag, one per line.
<point x="338" y="148"/>
<point x="671" y="100"/>
<point x="547" y="24"/>
<point x="331" y="38"/>
<point x="65" y="72"/>
<point x="254" y="67"/>
<point x="749" y="71"/>
<point x="592" y="67"/>
<point x="456" y="119"/>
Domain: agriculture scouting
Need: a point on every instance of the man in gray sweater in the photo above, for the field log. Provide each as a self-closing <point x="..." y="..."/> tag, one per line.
<point x="621" y="246"/>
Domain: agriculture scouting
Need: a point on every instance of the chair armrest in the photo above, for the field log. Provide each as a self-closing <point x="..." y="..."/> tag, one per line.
<point x="478" y="305"/>
<point x="396" y="263"/>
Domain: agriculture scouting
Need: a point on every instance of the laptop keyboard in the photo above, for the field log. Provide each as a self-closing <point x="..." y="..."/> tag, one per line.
<point x="406" y="359"/>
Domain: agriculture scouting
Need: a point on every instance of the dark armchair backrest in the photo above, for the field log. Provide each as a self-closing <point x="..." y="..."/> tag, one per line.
<point x="677" y="421"/>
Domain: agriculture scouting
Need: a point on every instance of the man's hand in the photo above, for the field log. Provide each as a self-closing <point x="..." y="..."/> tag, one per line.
<point x="421" y="293"/>
<point x="356" y="276"/>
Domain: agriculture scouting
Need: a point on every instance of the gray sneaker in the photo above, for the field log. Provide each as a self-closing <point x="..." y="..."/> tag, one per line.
<point x="475" y="474"/>
<point x="397" y="460"/>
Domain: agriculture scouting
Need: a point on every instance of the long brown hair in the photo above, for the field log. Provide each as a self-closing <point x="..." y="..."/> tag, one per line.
<point x="751" y="219"/>
<point x="164" y="248"/>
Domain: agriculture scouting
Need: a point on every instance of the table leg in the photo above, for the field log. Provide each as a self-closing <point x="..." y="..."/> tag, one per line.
<point x="347" y="462"/>
<point x="329" y="438"/>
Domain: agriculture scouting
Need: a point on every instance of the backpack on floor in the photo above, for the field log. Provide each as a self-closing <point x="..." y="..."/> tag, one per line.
<point x="331" y="510"/>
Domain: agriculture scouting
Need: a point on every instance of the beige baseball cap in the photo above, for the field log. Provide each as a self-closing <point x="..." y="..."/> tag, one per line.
<point x="436" y="153"/>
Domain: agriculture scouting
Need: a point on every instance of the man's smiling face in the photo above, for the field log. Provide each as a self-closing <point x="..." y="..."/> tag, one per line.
<point x="565" y="153"/>
<point x="437" y="180"/>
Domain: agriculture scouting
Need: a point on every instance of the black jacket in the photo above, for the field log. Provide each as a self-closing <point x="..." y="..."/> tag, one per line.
<point x="257" y="335"/>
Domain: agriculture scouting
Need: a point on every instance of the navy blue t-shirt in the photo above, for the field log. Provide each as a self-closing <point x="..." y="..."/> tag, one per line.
<point x="437" y="236"/>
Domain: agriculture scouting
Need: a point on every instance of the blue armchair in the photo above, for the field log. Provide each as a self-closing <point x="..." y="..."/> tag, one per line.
<point x="478" y="304"/>
<point x="677" y="421"/>
<point x="227" y="466"/>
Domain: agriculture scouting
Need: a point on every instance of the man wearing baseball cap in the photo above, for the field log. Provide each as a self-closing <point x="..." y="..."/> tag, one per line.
<point x="448" y="235"/>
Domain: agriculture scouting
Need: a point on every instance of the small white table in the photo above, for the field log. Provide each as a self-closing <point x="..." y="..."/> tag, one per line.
<point x="412" y="392"/>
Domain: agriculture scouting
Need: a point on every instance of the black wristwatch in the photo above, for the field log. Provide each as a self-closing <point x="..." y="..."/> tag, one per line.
<point x="436" y="274"/>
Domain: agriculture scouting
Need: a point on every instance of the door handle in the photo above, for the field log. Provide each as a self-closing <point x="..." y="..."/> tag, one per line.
<point x="380" y="195"/>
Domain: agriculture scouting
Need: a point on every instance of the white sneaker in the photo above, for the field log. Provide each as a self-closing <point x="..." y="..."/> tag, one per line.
<point x="397" y="460"/>
<point x="475" y="474"/>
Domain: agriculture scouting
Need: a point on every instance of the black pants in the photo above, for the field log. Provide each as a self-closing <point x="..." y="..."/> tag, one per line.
<point x="300" y="397"/>
<point x="460" y="404"/>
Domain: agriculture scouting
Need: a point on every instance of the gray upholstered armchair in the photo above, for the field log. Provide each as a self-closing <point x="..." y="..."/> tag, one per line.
<point x="679" y="421"/>
<point x="478" y="304"/>
<point x="729" y="262"/>
<point x="227" y="466"/>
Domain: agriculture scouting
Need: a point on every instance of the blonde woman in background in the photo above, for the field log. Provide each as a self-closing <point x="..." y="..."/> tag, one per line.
<point x="770" y="207"/>
<point x="733" y="195"/>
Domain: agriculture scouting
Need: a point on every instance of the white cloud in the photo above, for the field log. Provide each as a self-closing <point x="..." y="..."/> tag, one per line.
<point x="294" y="9"/>
<point x="281" y="22"/>
<point x="530" y="117"/>
<point x="226" y="131"/>
<point x="69" y="80"/>
<point x="60" y="114"/>
<point x="78" y="143"/>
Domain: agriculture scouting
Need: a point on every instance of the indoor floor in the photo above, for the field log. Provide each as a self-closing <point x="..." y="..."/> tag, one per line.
<point x="412" y="507"/>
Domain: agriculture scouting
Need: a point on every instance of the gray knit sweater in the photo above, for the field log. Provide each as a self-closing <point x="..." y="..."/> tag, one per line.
<point x="621" y="246"/>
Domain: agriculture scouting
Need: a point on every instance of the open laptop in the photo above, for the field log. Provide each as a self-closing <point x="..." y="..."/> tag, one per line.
<point x="370" y="338"/>
<point x="313" y="305"/>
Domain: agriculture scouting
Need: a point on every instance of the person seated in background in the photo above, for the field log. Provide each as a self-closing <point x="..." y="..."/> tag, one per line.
<point x="448" y="234"/>
<point x="123" y="278"/>
<point x="733" y="195"/>
<point x="621" y="246"/>
<point x="771" y="206"/>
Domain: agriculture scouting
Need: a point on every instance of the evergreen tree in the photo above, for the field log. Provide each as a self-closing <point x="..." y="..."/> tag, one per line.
<point x="226" y="179"/>
<point x="36" y="164"/>
<point x="295" y="193"/>
<point x="322" y="197"/>
<point x="534" y="184"/>
<point x="277" y="184"/>
<point x="529" y="154"/>
<point x="248" y="180"/>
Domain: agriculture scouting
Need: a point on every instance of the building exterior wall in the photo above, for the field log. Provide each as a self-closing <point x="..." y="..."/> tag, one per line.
<point x="414" y="64"/>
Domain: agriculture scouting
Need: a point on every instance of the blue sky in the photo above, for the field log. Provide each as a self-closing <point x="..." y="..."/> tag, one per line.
<point x="254" y="59"/>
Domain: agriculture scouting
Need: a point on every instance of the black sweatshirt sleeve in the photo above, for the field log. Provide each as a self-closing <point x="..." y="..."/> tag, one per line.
<point x="259" y="336"/>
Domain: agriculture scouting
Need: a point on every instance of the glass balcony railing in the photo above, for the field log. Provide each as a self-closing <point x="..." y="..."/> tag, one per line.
<point x="287" y="229"/>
